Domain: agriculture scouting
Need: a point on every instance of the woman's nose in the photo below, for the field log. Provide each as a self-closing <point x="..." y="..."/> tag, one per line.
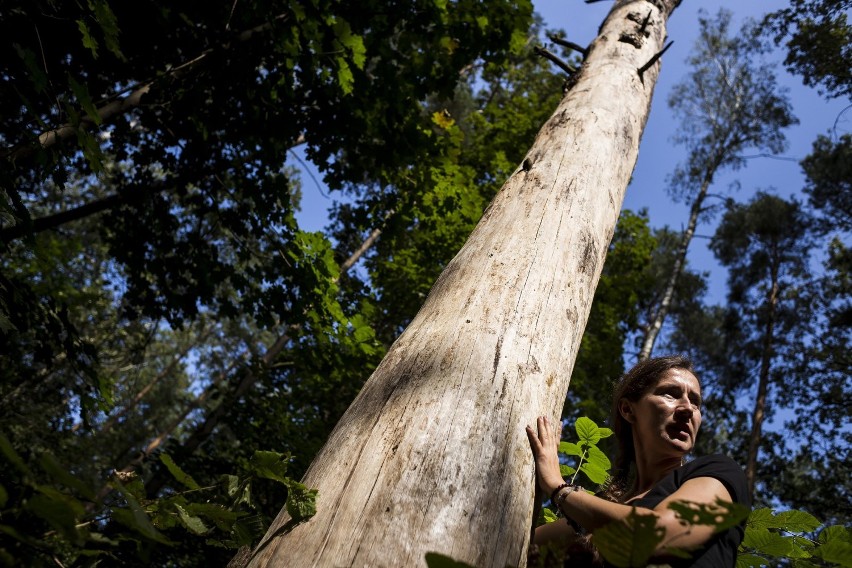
<point x="684" y="410"/>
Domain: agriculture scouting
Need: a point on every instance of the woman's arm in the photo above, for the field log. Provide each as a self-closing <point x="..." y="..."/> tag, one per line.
<point x="593" y="512"/>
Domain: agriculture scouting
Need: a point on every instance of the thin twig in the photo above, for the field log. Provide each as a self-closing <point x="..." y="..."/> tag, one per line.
<point x="305" y="168"/>
<point x="653" y="60"/>
<point x="555" y="59"/>
<point x="569" y="44"/>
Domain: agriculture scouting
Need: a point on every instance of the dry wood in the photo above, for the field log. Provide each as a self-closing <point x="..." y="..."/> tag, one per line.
<point x="432" y="455"/>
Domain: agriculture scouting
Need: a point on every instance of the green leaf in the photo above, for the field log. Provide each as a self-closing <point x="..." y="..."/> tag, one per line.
<point x="109" y="25"/>
<point x="270" y="465"/>
<point x="181" y="476"/>
<point x="797" y="521"/>
<point x="4" y="496"/>
<point x="631" y="542"/>
<point x="248" y="530"/>
<point x="436" y="560"/>
<point x="835" y="532"/>
<point x="770" y="543"/>
<point x="566" y="470"/>
<point x="599" y="459"/>
<point x="88" y="41"/>
<point x="62" y="512"/>
<point x="604" y="432"/>
<point x="301" y="501"/>
<point x="12" y="456"/>
<point x="82" y="94"/>
<point x="58" y="473"/>
<point x="344" y="76"/>
<point x="761" y="519"/>
<point x="35" y="72"/>
<point x="135" y="518"/>
<point x="222" y="517"/>
<point x="836" y="551"/>
<point x="587" y="430"/>
<point x="547" y="516"/>
<point x="570" y="449"/>
<point x="194" y="524"/>
<point x="749" y="560"/>
<point x="594" y="473"/>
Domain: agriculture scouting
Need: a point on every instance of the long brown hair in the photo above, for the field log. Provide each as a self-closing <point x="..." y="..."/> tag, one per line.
<point x="632" y="385"/>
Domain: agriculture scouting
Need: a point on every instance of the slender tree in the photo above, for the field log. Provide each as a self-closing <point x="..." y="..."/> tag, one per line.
<point x="729" y="102"/>
<point x="765" y="245"/>
<point x="431" y="455"/>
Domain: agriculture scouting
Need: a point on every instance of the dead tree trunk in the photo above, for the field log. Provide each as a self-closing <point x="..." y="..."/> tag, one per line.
<point x="432" y="455"/>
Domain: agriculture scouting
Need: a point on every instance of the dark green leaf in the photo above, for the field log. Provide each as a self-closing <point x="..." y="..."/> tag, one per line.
<point x="301" y="501"/>
<point x="61" y="475"/>
<point x="748" y="560"/>
<point x="629" y="543"/>
<point x="836" y="551"/>
<point x="181" y="476"/>
<point x="194" y="524"/>
<point x="270" y="465"/>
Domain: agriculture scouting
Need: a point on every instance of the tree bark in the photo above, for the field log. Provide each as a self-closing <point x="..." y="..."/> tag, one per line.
<point x="432" y="455"/>
<point x="763" y="382"/>
<point x="662" y="311"/>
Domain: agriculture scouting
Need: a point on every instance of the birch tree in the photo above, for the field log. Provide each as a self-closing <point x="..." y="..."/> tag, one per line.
<point x="432" y="456"/>
<point x="729" y="103"/>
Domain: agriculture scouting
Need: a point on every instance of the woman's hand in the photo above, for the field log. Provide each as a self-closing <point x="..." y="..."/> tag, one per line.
<point x="544" y="441"/>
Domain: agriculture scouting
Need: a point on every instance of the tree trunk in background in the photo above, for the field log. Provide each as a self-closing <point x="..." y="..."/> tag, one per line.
<point x="662" y="311"/>
<point x="763" y="382"/>
<point x="432" y="455"/>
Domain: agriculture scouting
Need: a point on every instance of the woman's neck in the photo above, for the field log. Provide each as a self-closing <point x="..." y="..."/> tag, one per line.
<point x="650" y="470"/>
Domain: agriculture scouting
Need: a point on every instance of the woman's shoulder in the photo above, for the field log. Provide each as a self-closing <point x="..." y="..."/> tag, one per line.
<point x="723" y="468"/>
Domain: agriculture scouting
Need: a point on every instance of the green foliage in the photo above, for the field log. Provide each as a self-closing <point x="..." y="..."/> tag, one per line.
<point x="818" y="38"/>
<point x="594" y="464"/>
<point x="771" y="536"/>
<point x="56" y="500"/>
<point x="630" y="543"/>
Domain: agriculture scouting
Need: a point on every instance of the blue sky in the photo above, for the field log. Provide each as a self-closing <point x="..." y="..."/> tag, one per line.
<point x="658" y="155"/>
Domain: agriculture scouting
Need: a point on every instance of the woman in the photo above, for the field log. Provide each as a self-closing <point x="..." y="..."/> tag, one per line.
<point x="656" y="414"/>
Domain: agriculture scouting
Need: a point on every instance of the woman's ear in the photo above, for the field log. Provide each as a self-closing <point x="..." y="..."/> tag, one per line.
<point x="626" y="410"/>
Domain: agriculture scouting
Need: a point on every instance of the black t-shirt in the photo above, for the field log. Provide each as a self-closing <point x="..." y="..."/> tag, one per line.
<point x="721" y="550"/>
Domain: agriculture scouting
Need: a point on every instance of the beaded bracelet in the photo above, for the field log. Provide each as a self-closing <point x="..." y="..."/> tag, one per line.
<point x="556" y="492"/>
<point x="560" y="499"/>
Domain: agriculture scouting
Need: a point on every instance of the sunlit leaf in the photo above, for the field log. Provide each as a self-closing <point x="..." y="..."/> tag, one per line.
<point x="587" y="430"/>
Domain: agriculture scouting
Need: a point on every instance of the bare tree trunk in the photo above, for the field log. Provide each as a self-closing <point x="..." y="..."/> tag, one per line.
<point x="662" y="311"/>
<point x="763" y="382"/>
<point x="432" y="455"/>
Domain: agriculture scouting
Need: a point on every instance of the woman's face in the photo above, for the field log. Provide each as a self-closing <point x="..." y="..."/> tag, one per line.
<point x="666" y="418"/>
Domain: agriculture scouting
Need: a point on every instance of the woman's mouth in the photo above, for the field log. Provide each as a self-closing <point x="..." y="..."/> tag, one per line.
<point x="679" y="432"/>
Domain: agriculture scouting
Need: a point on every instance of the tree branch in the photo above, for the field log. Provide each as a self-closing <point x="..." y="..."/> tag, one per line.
<point x="555" y="59"/>
<point x="117" y="107"/>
